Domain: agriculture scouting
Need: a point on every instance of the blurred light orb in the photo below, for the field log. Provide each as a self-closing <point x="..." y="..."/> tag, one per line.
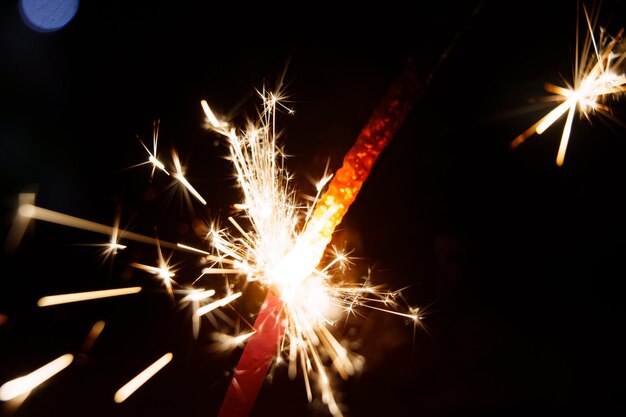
<point x="47" y="15"/>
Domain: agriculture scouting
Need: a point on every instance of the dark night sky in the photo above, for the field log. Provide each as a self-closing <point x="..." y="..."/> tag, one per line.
<point x="517" y="261"/>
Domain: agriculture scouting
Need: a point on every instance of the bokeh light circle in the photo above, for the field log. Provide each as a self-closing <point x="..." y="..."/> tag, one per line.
<point x="47" y="15"/>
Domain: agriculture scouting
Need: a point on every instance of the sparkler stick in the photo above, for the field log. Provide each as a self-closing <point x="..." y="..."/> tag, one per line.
<point x="308" y="251"/>
<point x="51" y="300"/>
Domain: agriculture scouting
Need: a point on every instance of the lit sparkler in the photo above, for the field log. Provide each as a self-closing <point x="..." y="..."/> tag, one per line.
<point x="51" y="300"/>
<point x="598" y="75"/>
<point x="281" y="248"/>
<point x="284" y="255"/>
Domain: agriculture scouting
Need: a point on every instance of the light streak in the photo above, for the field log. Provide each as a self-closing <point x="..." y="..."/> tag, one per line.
<point x="134" y="384"/>
<point x="152" y="156"/>
<point x="163" y="270"/>
<point x="93" y="335"/>
<point x="179" y="175"/>
<point x="30" y="211"/>
<point x="217" y="304"/>
<point x="209" y="115"/>
<point x="19" y="226"/>
<point x="51" y="300"/>
<point x="199" y="295"/>
<point x="26" y="383"/>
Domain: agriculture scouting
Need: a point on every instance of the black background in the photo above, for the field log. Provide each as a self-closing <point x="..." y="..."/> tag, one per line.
<point x="515" y="260"/>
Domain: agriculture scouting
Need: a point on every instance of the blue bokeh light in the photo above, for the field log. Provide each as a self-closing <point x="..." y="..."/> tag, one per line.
<point x="47" y="15"/>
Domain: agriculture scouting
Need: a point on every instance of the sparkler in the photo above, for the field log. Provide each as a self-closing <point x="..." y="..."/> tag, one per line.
<point x="598" y="75"/>
<point x="281" y="249"/>
<point x="286" y="260"/>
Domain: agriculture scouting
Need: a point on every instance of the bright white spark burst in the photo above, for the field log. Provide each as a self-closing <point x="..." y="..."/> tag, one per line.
<point x="281" y="252"/>
<point x="598" y="74"/>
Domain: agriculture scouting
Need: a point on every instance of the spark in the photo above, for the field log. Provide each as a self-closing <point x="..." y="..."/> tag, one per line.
<point x="134" y="384"/>
<point x="598" y="75"/>
<point x="179" y="175"/>
<point x="226" y="342"/>
<point x="16" y="233"/>
<point x="216" y="304"/>
<point x="209" y="115"/>
<point x="192" y="249"/>
<point x="195" y="298"/>
<point x="93" y="335"/>
<point x="199" y="295"/>
<point x="152" y="156"/>
<point x="27" y="383"/>
<point x="163" y="271"/>
<point x="51" y="300"/>
<point x="111" y="248"/>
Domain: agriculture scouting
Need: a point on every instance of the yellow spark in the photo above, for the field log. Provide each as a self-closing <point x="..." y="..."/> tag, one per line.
<point x="26" y="383"/>
<point x="179" y="175"/>
<point x="226" y="342"/>
<point x="216" y="304"/>
<point x="134" y="384"/>
<point x="209" y="115"/>
<point x="30" y="211"/>
<point x="152" y="158"/>
<point x="221" y="271"/>
<point x="20" y="224"/>
<point x="163" y="271"/>
<point x="199" y="295"/>
<point x="412" y="316"/>
<point x="94" y="333"/>
<point x="194" y="299"/>
<point x="597" y="76"/>
<point x="111" y="248"/>
<point x="51" y="300"/>
<point x="192" y="249"/>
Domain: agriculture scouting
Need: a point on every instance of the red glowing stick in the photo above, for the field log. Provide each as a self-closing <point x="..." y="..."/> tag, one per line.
<point x="261" y="349"/>
<point x="255" y="360"/>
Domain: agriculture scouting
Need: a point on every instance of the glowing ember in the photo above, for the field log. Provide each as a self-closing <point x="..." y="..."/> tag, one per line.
<point x="83" y="296"/>
<point x="278" y="243"/>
